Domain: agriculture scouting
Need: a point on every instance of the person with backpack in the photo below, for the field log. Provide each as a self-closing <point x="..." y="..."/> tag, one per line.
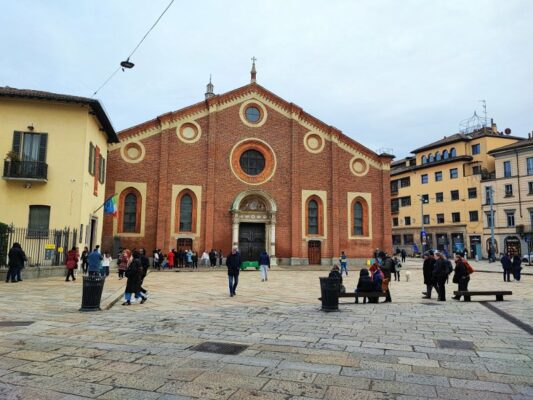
<point x="442" y="268"/>
<point x="134" y="275"/>
<point x="461" y="275"/>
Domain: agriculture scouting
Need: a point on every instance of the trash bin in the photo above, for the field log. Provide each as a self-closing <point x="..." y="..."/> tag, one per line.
<point x="330" y="289"/>
<point x="92" y="292"/>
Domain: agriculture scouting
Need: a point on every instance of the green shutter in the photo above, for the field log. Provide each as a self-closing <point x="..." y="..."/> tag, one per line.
<point x="91" y="158"/>
<point x="42" y="147"/>
<point x="102" y="169"/>
<point x="17" y="141"/>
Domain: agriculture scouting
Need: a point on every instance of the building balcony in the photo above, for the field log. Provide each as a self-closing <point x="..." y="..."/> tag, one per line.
<point x="25" y="171"/>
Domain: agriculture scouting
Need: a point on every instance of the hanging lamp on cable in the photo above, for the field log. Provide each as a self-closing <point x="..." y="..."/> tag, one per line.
<point x="127" y="64"/>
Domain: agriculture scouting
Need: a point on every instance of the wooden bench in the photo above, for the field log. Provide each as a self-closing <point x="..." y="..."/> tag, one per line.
<point x="498" y="293"/>
<point x="373" y="295"/>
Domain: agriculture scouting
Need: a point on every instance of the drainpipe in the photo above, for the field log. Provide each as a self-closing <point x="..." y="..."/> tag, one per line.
<point x="518" y="176"/>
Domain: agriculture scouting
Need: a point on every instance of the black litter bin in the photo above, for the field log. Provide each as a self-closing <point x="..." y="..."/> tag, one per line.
<point x="92" y="292"/>
<point x="330" y="289"/>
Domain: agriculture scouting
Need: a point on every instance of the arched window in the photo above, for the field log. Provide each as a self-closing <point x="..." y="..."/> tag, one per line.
<point x="359" y="217"/>
<point x="430" y="157"/>
<point x="130" y="211"/>
<point x="312" y="218"/>
<point x="437" y="156"/>
<point x="453" y="153"/>
<point x="186" y="211"/>
<point x="445" y="154"/>
<point x="424" y="160"/>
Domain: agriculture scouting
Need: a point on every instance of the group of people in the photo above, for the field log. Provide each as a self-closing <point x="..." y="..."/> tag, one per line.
<point x="186" y="258"/>
<point x="511" y="264"/>
<point x="437" y="269"/>
<point x="93" y="262"/>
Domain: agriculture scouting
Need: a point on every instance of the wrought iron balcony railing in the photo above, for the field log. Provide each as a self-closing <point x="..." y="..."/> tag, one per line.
<point x="25" y="170"/>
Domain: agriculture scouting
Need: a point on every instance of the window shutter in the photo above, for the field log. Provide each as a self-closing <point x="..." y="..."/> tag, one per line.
<point x="42" y="147"/>
<point x="17" y="139"/>
<point x="91" y="158"/>
<point x="102" y="169"/>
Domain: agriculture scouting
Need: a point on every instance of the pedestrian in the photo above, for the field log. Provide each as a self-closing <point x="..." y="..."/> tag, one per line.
<point x="213" y="258"/>
<point x="170" y="258"/>
<point x="220" y="258"/>
<point x="178" y="258"/>
<point x="16" y="263"/>
<point x="204" y="261"/>
<point x="233" y="262"/>
<point x="122" y="264"/>
<point x="188" y="258"/>
<point x="134" y="275"/>
<point x="84" y="255"/>
<point x="441" y="270"/>
<point x="427" y="269"/>
<point x="461" y="275"/>
<point x="507" y="265"/>
<point x="155" y="257"/>
<point x="387" y="269"/>
<point x="194" y="259"/>
<point x="404" y="254"/>
<point x="106" y="262"/>
<point x="72" y="262"/>
<point x="95" y="262"/>
<point x="264" y="264"/>
<point x="397" y="268"/>
<point x="145" y="264"/>
<point x="364" y="285"/>
<point x="517" y="267"/>
<point x="343" y="260"/>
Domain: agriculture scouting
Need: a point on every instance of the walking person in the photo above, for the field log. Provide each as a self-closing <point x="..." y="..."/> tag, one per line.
<point x="122" y="264"/>
<point x="427" y="269"/>
<point x="106" y="262"/>
<point x="387" y="269"/>
<point x="461" y="275"/>
<point x="517" y="267"/>
<point x="397" y="268"/>
<point x="134" y="275"/>
<point x="507" y="265"/>
<point x="84" y="256"/>
<point x="16" y="263"/>
<point x="343" y="260"/>
<point x="233" y="262"/>
<point x="95" y="262"/>
<point x="404" y="254"/>
<point x="145" y="264"/>
<point x="264" y="264"/>
<point x="72" y="263"/>
<point x="441" y="270"/>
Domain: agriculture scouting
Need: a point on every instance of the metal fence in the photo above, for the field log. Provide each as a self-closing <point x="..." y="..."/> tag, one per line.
<point x="42" y="248"/>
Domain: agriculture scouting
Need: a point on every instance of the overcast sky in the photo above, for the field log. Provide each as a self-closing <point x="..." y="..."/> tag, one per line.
<point x="390" y="74"/>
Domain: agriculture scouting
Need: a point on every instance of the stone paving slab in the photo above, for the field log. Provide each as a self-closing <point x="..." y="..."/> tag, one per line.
<point x="372" y="351"/>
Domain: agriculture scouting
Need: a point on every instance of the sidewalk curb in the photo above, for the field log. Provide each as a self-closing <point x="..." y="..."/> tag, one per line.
<point x="112" y="299"/>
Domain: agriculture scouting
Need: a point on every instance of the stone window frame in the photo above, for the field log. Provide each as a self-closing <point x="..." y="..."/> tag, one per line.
<point x="177" y="215"/>
<point x="138" y="210"/>
<point x="320" y="216"/>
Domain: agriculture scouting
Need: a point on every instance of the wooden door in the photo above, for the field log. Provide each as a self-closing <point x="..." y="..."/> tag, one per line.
<point x="184" y="244"/>
<point x="251" y="241"/>
<point x="313" y="252"/>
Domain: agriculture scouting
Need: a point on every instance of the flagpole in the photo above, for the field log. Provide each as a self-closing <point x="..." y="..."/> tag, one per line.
<point x="103" y="204"/>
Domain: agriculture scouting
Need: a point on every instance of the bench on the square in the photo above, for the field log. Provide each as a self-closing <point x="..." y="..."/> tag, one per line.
<point x="468" y="294"/>
<point x="365" y="295"/>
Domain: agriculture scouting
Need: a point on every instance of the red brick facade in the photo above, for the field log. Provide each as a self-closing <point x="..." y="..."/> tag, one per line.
<point x="171" y="153"/>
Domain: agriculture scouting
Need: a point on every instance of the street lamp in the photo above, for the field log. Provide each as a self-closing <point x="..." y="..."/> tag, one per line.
<point x="422" y="231"/>
<point x="492" y="247"/>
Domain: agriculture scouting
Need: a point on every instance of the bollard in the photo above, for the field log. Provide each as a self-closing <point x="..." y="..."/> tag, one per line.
<point x="93" y="286"/>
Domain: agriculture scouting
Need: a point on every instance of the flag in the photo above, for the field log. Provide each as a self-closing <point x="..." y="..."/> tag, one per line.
<point x="110" y="206"/>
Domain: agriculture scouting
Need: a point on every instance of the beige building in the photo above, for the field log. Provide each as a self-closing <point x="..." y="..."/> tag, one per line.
<point x="512" y="191"/>
<point x="438" y="191"/>
<point x="55" y="150"/>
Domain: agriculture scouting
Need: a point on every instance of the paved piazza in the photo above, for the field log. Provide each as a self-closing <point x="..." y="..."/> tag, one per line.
<point x="295" y="351"/>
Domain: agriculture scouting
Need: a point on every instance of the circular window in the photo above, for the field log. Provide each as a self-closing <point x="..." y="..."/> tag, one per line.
<point x="252" y="162"/>
<point x="189" y="132"/>
<point x="359" y="167"/>
<point x="133" y="152"/>
<point x="252" y="114"/>
<point x="313" y="142"/>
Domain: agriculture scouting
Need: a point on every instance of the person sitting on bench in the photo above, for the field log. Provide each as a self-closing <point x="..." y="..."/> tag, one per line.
<point x="365" y="285"/>
<point x="334" y="273"/>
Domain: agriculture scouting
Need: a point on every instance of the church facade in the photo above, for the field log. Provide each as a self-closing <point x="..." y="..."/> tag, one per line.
<point x="247" y="168"/>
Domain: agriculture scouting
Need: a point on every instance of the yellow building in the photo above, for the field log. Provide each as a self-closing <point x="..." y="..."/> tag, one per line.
<point x="512" y="198"/>
<point x="437" y="191"/>
<point x="54" y="148"/>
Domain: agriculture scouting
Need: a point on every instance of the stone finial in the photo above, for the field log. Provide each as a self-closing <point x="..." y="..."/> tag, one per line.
<point x="210" y="87"/>
<point x="253" y="72"/>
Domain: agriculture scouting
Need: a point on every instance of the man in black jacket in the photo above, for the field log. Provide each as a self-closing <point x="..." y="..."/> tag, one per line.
<point x="16" y="263"/>
<point x="387" y="269"/>
<point x="427" y="268"/>
<point x="441" y="270"/>
<point x="233" y="263"/>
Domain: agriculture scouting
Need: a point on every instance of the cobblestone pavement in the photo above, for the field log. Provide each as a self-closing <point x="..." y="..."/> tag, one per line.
<point x="295" y="351"/>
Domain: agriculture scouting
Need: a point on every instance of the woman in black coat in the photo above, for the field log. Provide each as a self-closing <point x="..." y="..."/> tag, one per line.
<point x="365" y="284"/>
<point x="461" y="275"/>
<point x="134" y="273"/>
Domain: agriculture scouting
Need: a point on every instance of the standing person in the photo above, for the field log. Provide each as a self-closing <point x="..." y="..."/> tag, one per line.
<point x="264" y="264"/>
<point x="441" y="270"/>
<point x="155" y="257"/>
<point x="170" y="259"/>
<point x="507" y="266"/>
<point x="404" y="254"/>
<point x="427" y="269"/>
<point x="387" y="269"/>
<point x="220" y="257"/>
<point x="72" y="262"/>
<point x="134" y="275"/>
<point x="188" y="258"/>
<point x="213" y="258"/>
<point x="194" y="259"/>
<point x="178" y="258"/>
<point x="145" y="264"/>
<point x="233" y="262"/>
<point x="517" y="267"/>
<point x="122" y="264"/>
<point x="397" y="268"/>
<point x="16" y="263"/>
<point x="461" y="276"/>
<point x="106" y="262"/>
<point x="205" y="259"/>
<point x="84" y="256"/>
<point x="95" y="262"/>
<point x="343" y="260"/>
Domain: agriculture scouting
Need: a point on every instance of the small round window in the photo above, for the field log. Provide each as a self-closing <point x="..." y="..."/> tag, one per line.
<point x="252" y="114"/>
<point x="252" y="162"/>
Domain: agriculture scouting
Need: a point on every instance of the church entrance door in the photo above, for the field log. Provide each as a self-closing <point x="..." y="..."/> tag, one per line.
<point x="251" y="241"/>
<point x="313" y="252"/>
